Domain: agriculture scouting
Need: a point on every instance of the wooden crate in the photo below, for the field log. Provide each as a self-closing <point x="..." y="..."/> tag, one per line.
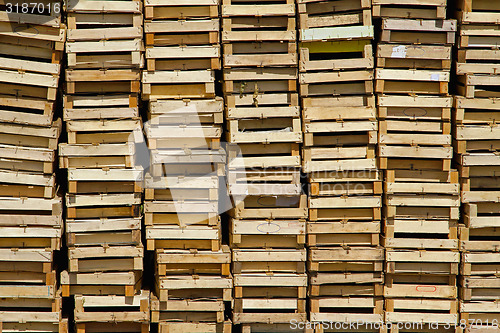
<point x="274" y="298"/>
<point x="471" y="118"/>
<point x="197" y="311"/>
<point x="105" y="259"/>
<point x="262" y="285"/>
<point x="354" y="284"/>
<point x="472" y="86"/>
<point x="479" y="38"/>
<point x="270" y="125"/>
<point x="108" y="311"/>
<point x="178" y="84"/>
<point x="103" y="205"/>
<point x="31" y="231"/>
<point x="90" y="181"/>
<point x="342" y="159"/>
<point x="173" y="327"/>
<point x="336" y="83"/>
<point x="93" y="81"/>
<point x="345" y="208"/>
<point x="181" y="23"/>
<point x="427" y="311"/>
<point x="38" y="80"/>
<point x="191" y="57"/>
<point x="100" y="107"/>
<point x="26" y="110"/>
<point x="273" y="310"/>
<point x="94" y="232"/>
<point x="479" y="288"/>
<point x="28" y="84"/>
<point x="480" y="230"/>
<point x="196" y="162"/>
<point x="413" y="31"/>
<point x="178" y="188"/>
<point x="477" y="60"/>
<point x="337" y="33"/>
<point x="31" y="136"/>
<point x="99" y="283"/>
<point x="339" y="138"/>
<point x="334" y="183"/>
<point x="334" y="233"/>
<point x="98" y="28"/>
<point x="33" y="312"/>
<point x="106" y="155"/>
<point x="428" y="108"/>
<point x="182" y="136"/>
<point x="346" y="309"/>
<point x="171" y="287"/>
<point x="250" y="21"/>
<point x="429" y="9"/>
<point x="262" y="156"/>
<point x="193" y="261"/>
<point x="25" y="158"/>
<point x="273" y="52"/>
<point x="479" y="263"/>
<point x="422" y="286"/>
<point x="426" y="262"/>
<point x="337" y="55"/>
<point x="479" y="314"/>
<point x="260" y="80"/>
<point x="334" y="261"/>
<point x="421" y="206"/>
<point x="182" y="213"/>
<point x="412" y="81"/>
<point x="28" y="267"/>
<point x="27" y="184"/>
<point x="477" y="11"/>
<point x="268" y="260"/>
<point x="260" y="233"/>
<point x="317" y="14"/>
<point x="414" y="56"/>
<point x="186" y="112"/>
<point x="162" y="10"/>
<point x="269" y="206"/>
<point x="188" y="237"/>
<point x="266" y="181"/>
<point x="20" y="208"/>
<point x="239" y="104"/>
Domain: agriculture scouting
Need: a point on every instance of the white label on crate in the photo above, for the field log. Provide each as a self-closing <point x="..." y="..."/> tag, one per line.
<point x="399" y="51"/>
<point x="434" y="77"/>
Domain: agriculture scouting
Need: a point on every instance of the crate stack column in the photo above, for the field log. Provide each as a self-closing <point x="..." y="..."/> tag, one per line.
<point x="340" y="134"/>
<point x="193" y="285"/>
<point x="477" y="139"/>
<point x="30" y="207"/>
<point x="103" y="217"/>
<point x="263" y="134"/>
<point x="421" y="192"/>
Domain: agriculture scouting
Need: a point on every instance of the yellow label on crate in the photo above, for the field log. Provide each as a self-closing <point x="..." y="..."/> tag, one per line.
<point x="336" y="46"/>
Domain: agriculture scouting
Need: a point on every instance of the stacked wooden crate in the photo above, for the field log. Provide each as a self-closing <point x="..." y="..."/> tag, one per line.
<point x="183" y="226"/>
<point x="477" y="139"/>
<point x="103" y="215"/>
<point x="31" y="47"/>
<point x="340" y="134"/>
<point x="264" y="132"/>
<point x="421" y="192"/>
